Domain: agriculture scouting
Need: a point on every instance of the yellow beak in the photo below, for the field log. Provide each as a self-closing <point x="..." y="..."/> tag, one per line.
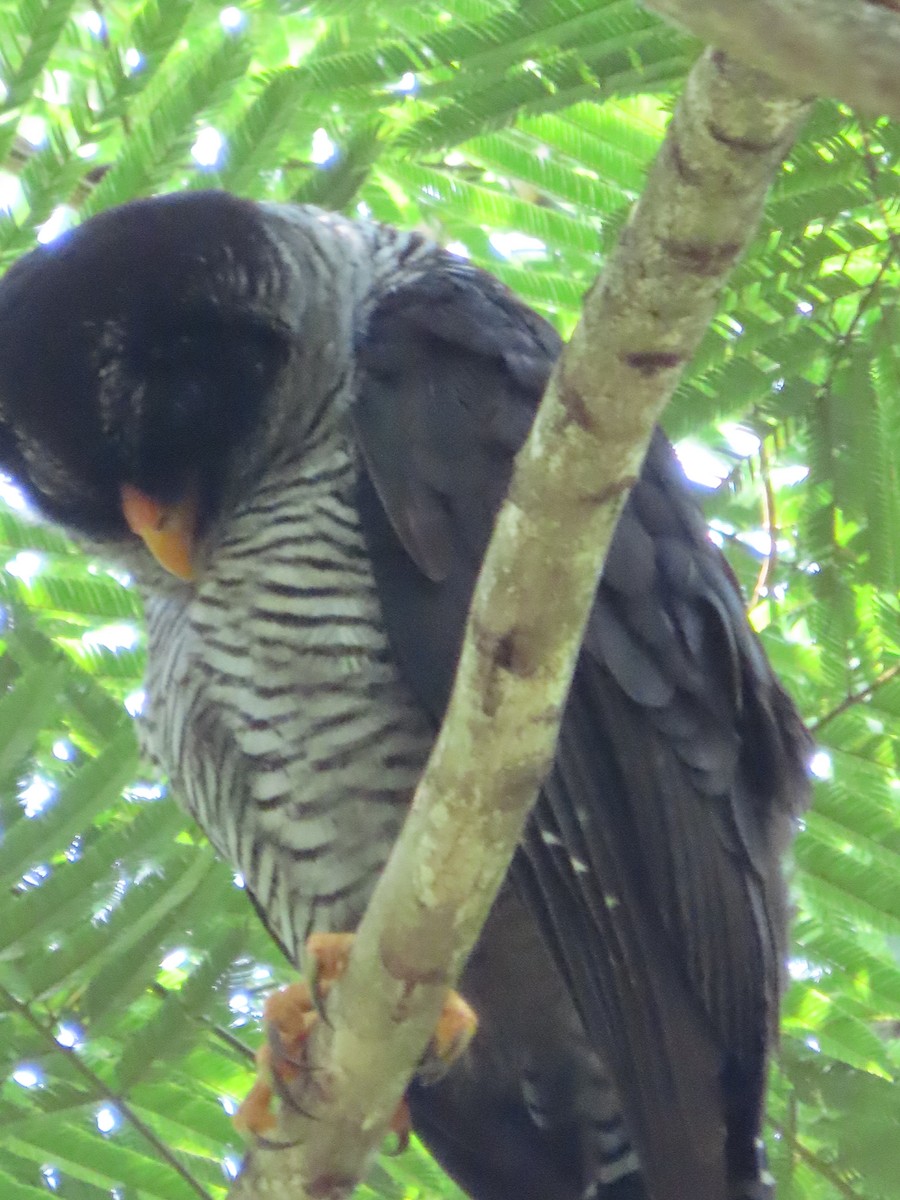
<point x="167" y="529"/>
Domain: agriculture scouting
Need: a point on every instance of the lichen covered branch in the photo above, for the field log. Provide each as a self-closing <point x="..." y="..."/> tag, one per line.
<point x="849" y="49"/>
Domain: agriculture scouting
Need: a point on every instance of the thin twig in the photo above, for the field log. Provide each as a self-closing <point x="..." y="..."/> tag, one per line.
<point x="873" y="170"/>
<point x="102" y="1090"/>
<point x="845" y="339"/>
<point x="241" y="1049"/>
<point x="837" y="357"/>
<point x="770" y="524"/>
<point x="854" y="698"/>
<point x="813" y="1160"/>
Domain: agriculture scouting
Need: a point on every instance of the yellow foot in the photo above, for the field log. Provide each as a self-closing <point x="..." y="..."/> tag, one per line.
<point x="290" y="1014"/>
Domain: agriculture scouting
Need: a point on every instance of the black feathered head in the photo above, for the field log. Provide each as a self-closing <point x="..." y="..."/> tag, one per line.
<point x="137" y="351"/>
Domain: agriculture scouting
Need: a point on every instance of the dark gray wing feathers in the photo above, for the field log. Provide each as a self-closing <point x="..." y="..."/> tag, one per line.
<point x="652" y="859"/>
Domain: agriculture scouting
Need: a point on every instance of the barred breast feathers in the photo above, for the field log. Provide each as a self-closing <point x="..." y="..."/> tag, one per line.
<point x="273" y="700"/>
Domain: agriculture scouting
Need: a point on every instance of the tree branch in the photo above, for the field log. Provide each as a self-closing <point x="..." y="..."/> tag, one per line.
<point x="854" y="698"/>
<point x="843" y="48"/>
<point x="818" y="1164"/>
<point x="642" y="322"/>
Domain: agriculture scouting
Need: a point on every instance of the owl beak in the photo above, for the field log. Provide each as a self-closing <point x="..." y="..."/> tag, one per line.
<point x="167" y="529"/>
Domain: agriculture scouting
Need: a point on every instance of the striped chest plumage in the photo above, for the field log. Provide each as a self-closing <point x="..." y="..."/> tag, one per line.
<point x="275" y="706"/>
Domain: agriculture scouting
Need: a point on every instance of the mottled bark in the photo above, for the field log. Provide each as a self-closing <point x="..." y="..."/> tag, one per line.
<point x="848" y="49"/>
<point x="642" y="322"/>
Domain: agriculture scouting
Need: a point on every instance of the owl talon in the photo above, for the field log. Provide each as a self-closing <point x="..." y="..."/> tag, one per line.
<point x="290" y="1015"/>
<point x="401" y="1126"/>
<point x="327" y="955"/>
<point x="454" y="1030"/>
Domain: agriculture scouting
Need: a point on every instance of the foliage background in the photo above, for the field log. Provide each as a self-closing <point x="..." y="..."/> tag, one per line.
<point x="131" y="970"/>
